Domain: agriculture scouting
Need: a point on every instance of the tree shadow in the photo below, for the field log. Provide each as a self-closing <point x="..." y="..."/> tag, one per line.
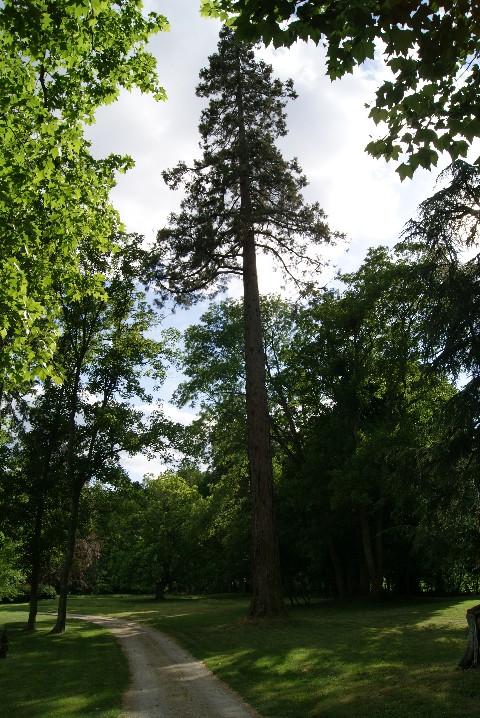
<point x="80" y="673"/>
<point x="355" y="659"/>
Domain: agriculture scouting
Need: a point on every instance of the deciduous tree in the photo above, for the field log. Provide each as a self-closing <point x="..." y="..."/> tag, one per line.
<point x="105" y="353"/>
<point x="442" y="244"/>
<point x="59" y="61"/>
<point x="432" y="48"/>
<point x="153" y="535"/>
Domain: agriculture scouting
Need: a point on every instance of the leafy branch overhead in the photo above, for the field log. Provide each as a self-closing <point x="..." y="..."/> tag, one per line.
<point x="431" y="103"/>
<point x="59" y="62"/>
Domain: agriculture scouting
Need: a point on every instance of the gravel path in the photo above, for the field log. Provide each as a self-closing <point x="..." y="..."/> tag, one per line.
<point x="165" y="680"/>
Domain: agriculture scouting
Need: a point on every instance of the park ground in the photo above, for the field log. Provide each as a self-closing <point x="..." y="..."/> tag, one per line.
<point x="328" y="659"/>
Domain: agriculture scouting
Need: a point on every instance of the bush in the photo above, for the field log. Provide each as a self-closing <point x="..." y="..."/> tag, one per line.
<point x="11" y="577"/>
<point x="23" y="594"/>
<point x="45" y="592"/>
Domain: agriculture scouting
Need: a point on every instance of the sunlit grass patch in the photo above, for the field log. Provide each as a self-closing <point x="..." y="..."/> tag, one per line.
<point x="80" y="674"/>
<point x="327" y="660"/>
<point x="339" y="660"/>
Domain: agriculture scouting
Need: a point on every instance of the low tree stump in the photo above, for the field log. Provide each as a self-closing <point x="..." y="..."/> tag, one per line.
<point x="471" y="657"/>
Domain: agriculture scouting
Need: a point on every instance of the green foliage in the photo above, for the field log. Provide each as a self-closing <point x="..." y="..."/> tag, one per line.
<point x="215" y="382"/>
<point x="153" y="536"/>
<point x="74" y="432"/>
<point x="432" y="49"/>
<point x="441" y="242"/>
<point x="355" y="420"/>
<point x="60" y="61"/>
<point x="374" y="406"/>
<point x="45" y="592"/>
<point x="11" y="576"/>
<point x="203" y="245"/>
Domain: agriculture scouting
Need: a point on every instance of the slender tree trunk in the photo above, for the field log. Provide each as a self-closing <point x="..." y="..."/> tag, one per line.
<point x="378" y="545"/>
<point x="267" y="586"/>
<point x="36" y="565"/>
<point x="36" y="554"/>
<point x="67" y="562"/>
<point x="368" y="550"/>
<point x="337" y="570"/>
<point x="75" y="489"/>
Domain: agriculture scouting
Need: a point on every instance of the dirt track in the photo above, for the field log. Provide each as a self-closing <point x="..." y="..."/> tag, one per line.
<point x="165" y="680"/>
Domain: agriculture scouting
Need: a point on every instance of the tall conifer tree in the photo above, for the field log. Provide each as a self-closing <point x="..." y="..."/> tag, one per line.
<point x="242" y="196"/>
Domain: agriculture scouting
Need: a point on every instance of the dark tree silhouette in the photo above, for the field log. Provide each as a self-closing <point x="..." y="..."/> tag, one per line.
<point x="242" y="196"/>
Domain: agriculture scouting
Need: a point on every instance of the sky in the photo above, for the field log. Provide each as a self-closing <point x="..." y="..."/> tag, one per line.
<point x="328" y="128"/>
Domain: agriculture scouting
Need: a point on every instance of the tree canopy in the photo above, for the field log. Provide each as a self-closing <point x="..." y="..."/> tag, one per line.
<point x="430" y="105"/>
<point x="203" y="244"/>
<point x="357" y="405"/>
<point x="59" y="61"/>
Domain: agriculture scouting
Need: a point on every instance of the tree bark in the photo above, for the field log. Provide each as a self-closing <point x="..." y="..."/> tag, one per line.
<point x="36" y="565"/>
<point x="67" y="563"/>
<point x="36" y="554"/>
<point x="471" y="657"/>
<point x="337" y="570"/>
<point x="267" y="589"/>
<point x="267" y="597"/>
<point x="374" y="572"/>
<point x="160" y="588"/>
<point x="75" y="490"/>
<point x="167" y="575"/>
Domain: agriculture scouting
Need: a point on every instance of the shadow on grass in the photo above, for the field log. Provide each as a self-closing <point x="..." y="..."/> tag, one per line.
<point x="361" y="660"/>
<point x="355" y="661"/>
<point x="81" y="673"/>
<point x="328" y="660"/>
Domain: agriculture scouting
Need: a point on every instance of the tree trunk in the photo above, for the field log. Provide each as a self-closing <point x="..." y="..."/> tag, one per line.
<point x="368" y="550"/>
<point x="378" y="547"/>
<point x="163" y="583"/>
<point x="267" y="589"/>
<point x="36" y="565"/>
<point x="267" y="586"/>
<point x="67" y="563"/>
<point x="44" y="486"/>
<point x="75" y="489"/>
<point x="160" y="588"/>
<point x="471" y="656"/>
<point x="338" y="570"/>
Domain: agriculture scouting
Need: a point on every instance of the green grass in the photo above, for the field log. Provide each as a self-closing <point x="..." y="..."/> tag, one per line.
<point x="352" y="660"/>
<point x="80" y="674"/>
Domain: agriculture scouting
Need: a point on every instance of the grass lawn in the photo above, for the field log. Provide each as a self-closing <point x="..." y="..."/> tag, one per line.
<point x="80" y="674"/>
<point x="328" y="660"/>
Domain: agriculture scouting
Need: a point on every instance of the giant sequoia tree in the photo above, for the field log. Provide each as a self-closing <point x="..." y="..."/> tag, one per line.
<point x="241" y="196"/>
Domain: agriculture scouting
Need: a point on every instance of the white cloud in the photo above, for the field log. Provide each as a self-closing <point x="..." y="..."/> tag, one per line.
<point x="139" y="465"/>
<point x="328" y="130"/>
<point x="182" y="416"/>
